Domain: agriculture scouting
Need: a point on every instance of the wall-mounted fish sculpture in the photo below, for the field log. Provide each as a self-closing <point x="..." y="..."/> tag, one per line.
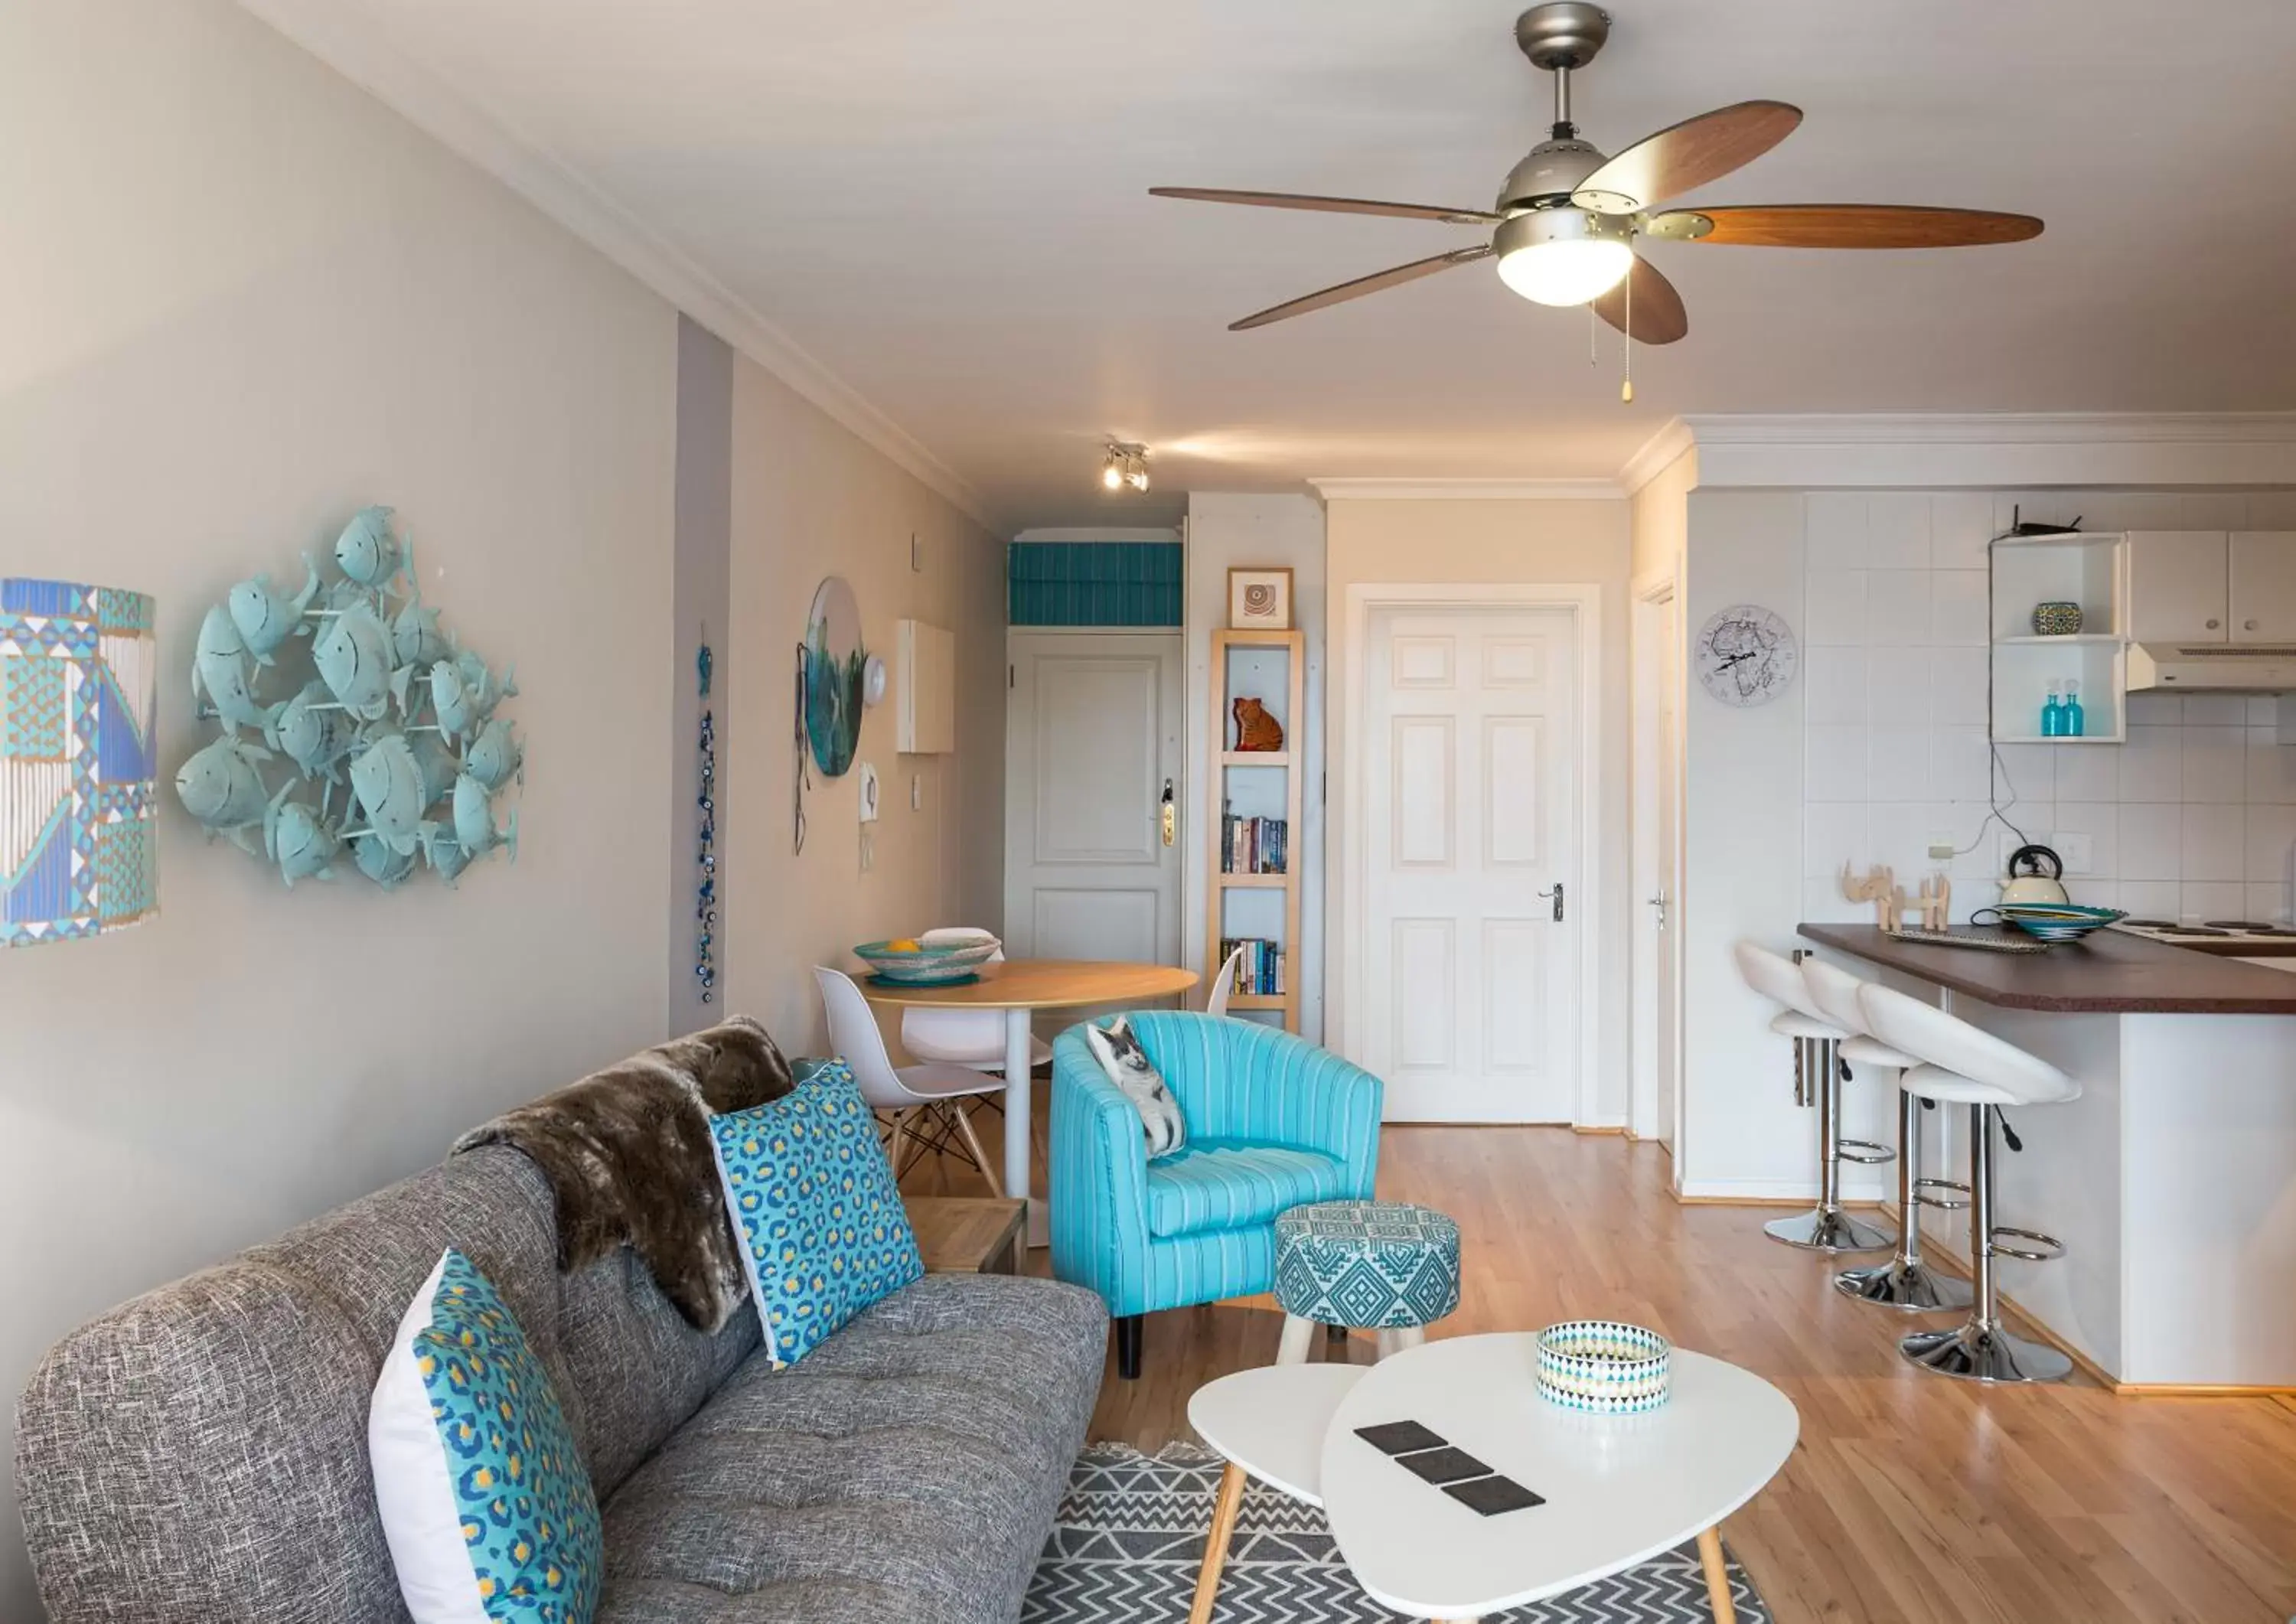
<point x="443" y="851"/>
<point x="298" y="839"/>
<point x="313" y="731"/>
<point x="264" y="620"/>
<point x="474" y="820"/>
<point x="451" y="699"/>
<point x="378" y="862"/>
<point x="416" y="637"/>
<point x="354" y="660"/>
<point x="219" y="673"/>
<point x="496" y="754"/>
<point x="479" y="683"/>
<point x="440" y="767"/>
<point x="388" y="781"/>
<point x="366" y="551"/>
<point x="222" y="786"/>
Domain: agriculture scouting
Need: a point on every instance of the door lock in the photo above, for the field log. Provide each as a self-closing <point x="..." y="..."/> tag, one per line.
<point x="1557" y="894"/>
<point x="1658" y="902"/>
<point x="1170" y="813"/>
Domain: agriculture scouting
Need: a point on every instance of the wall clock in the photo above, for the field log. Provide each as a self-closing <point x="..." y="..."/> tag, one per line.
<point x="1746" y="655"/>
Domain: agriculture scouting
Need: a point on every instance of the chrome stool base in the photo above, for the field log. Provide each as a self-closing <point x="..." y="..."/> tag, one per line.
<point x="1834" y="1231"/>
<point x="1975" y="1352"/>
<point x="1908" y="1287"/>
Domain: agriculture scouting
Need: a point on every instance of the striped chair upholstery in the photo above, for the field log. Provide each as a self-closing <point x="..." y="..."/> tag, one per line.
<point x="1274" y="1122"/>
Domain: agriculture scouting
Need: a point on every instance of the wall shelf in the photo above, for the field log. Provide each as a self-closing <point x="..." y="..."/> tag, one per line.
<point x="1272" y="667"/>
<point x="2091" y="570"/>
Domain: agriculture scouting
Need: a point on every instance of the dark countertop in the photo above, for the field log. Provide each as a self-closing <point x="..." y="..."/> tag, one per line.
<point x="2109" y="973"/>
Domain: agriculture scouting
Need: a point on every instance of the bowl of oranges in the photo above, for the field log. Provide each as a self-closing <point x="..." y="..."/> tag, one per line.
<point x="906" y="961"/>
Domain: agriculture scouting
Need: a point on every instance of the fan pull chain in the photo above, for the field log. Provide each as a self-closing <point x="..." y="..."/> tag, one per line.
<point x="1627" y="388"/>
<point x="1594" y="336"/>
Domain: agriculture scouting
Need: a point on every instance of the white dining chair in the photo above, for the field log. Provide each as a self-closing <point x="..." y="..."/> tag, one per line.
<point x="934" y="1094"/>
<point x="1223" y="984"/>
<point x="972" y="1037"/>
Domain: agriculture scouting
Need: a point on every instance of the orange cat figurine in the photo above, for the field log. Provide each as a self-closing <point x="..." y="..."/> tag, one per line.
<point x="1255" y="729"/>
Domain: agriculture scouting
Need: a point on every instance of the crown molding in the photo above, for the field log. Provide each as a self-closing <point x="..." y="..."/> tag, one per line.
<point x="1930" y="450"/>
<point x="466" y="127"/>
<point x="1657" y="453"/>
<point x="1468" y="490"/>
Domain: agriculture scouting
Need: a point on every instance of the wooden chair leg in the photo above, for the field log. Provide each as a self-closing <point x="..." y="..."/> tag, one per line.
<point x="1718" y="1576"/>
<point x="1224" y="1509"/>
<point x="1298" y="1334"/>
<point x="973" y="1143"/>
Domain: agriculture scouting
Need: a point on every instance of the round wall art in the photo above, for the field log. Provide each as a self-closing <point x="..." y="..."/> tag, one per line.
<point x="834" y="662"/>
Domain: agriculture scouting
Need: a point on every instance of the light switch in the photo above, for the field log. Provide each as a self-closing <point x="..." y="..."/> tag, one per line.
<point x="2076" y="850"/>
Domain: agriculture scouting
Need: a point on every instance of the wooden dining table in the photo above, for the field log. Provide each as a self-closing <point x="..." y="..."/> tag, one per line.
<point x="1020" y="988"/>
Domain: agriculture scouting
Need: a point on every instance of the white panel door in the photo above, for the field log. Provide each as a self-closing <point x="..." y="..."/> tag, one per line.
<point x="1470" y="764"/>
<point x="2263" y="586"/>
<point x="2178" y="586"/>
<point x="1092" y="742"/>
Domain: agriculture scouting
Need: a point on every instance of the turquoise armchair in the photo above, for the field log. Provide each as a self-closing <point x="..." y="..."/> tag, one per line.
<point x="1274" y="1122"/>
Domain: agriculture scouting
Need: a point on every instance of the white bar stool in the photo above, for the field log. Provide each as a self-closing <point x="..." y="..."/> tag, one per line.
<point x="1964" y="1065"/>
<point x="1818" y="1076"/>
<point x="1903" y="1283"/>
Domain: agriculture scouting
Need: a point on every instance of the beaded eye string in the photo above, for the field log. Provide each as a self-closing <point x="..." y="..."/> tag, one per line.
<point x="705" y="898"/>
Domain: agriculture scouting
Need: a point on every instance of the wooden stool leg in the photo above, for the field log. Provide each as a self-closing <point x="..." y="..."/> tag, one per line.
<point x="1395" y="1339"/>
<point x="1223" y="1509"/>
<point x="1718" y="1576"/>
<point x="1297" y="1334"/>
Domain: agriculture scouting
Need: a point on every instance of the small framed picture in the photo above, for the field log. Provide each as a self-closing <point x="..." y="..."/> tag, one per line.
<point x="1260" y="600"/>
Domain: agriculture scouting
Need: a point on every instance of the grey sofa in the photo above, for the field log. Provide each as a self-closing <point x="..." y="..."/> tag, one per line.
<point x="198" y="1456"/>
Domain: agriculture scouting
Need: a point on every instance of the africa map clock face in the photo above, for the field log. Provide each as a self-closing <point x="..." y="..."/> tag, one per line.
<point x="1746" y="655"/>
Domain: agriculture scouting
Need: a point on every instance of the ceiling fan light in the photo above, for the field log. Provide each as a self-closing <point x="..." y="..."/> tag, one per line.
<point x="1112" y="477"/>
<point x="1564" y="256"/>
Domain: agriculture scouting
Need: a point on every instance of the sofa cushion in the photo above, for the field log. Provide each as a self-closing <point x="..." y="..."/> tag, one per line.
<point x="907" y="1469"/>
<point x="1218" y="1185"/>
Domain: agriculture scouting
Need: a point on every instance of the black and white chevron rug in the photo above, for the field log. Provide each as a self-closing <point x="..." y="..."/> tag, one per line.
<point x="1130" y="1538"/>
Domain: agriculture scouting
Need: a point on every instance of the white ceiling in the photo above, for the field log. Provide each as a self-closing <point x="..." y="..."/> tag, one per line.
<point x="944" y="206"/>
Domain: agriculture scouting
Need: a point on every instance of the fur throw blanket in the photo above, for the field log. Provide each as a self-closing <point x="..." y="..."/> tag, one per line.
<point x="627" y="1152"/>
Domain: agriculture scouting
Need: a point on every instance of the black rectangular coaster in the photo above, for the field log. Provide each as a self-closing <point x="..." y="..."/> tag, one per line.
<point x="1492" y="1496"/>
<point x="1443" y="1465"/>
<point x="1401" y="1437"/>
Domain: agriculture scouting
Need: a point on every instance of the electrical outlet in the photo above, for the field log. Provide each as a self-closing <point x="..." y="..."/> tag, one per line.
<point x="1942" y="850"/>
<point x="2076" y="850"/>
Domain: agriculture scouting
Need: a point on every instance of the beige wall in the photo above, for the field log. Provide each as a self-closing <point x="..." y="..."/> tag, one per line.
<point x="1661" y="521"/>
<point x="1444" y="542"/>
<point x="240" y="300"/>
<point x="811" y="500"/>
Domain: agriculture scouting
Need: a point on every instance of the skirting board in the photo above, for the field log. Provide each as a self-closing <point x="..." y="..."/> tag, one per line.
<point x="1775" y="1192"/>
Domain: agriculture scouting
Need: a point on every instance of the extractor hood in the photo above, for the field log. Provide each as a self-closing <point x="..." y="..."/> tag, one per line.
<point x="2215" y="668"/>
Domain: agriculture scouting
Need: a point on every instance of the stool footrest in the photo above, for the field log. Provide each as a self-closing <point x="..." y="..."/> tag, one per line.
<point x="1923" y="1188"/>
<point x="1866" y="1150"/>
<point x="2044" y="1247"/>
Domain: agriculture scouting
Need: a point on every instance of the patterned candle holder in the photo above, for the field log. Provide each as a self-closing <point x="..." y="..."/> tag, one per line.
<point x="2057" y="618"/>
<point x="1604" y="1367"/>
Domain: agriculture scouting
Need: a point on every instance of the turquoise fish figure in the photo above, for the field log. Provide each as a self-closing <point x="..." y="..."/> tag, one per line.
<point x="309" y="730"/>
<point x="366" y="551"/>
<point x="415" y="636"/>
<point x="474" y="820"/>
<point x="438" y="763"/>
<point x="443" y="851"/>
<point x="354" y="660"/>
<point x="222" y="787"/>
<point x="219" y="673"/>
<point x="479" y="683"/>
<point x="388" y="784"/>
<point x="494" y="755"/>
<point x="264" y="620"/>
<point x="378" y="862"/>
<point x="299" y="841"/>
<point x="450" y="697"/>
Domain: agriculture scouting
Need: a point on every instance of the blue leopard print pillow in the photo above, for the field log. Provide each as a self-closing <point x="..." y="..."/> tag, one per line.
<point x="824" y="1232"/>
<point x="485" y="1500"/>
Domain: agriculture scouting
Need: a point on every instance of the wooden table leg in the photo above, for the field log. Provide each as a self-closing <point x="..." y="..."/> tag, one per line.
<point x="1223" y="1509"/>
<point x="1718" y="1576"/>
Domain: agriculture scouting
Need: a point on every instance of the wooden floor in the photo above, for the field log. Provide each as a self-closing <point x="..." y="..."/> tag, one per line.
<point x="1909" y="1498"/>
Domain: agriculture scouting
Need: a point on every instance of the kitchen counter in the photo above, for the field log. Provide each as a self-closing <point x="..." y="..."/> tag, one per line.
<point x="2109" y="973"/>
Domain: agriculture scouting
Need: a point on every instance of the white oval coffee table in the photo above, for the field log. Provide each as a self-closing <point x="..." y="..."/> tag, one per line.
<point x="1619" y="1490"/>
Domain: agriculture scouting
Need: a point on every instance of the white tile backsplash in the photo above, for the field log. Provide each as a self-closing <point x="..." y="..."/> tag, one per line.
<point x="2088" y="772"/>
<point x="2151" y="763"/>
<point x="1897" y="530"/>
<point x="1961" y="763"/>
<point x="1897" y="606"/>
<point x="1898" y="695"/>
<point x="2266" y="901"/>
<point x="2100" y="822"/>
<point x="2213" y="899"/>
<point x="1959" y="615"/>
<point x="1899" y="765"/>
<point x="2215" y="761"/>
<point x="2271" y="769"/>
<point x="1834" y="833"/>
<point x="2152" y="842"/>
<point x="1833" y="767"/>
<point x="1834" y="679"/>
<point x="1960" y="681"/>
<point x="2271" y="844"/>
<point x="1960" y="529"/>
<point x="1833" y="608"/>
<point x="2216" y="843"/>
<point x="2151" y="705"/>
<point x="2216" y="709"/>
<point x="1833" y="529"/>
<point x="2152" y="899"/>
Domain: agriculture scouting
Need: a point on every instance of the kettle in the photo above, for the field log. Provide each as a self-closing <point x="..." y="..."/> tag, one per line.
<point x="2035" y="875"/>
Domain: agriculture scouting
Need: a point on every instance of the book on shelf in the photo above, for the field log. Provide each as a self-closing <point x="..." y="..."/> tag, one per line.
<point x="1264" y="972"/>
<point x="1255" y="845"/>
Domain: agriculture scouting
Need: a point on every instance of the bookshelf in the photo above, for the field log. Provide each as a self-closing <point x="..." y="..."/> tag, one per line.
<point x="1245" y="902"/>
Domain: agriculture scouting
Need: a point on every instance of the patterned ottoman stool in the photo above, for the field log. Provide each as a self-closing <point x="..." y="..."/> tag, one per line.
<point x="1371" y="1266"/>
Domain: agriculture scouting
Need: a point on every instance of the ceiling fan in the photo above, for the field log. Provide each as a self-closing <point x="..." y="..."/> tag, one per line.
<point x="1567" y="218"/>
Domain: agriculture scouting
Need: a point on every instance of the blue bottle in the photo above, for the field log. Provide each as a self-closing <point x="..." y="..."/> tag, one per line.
<point x="2053" y="716"/>
<point x="2070" y="718"/>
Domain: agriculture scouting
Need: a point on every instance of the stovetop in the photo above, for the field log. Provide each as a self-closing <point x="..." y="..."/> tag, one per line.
<point x="2228" y="936"/>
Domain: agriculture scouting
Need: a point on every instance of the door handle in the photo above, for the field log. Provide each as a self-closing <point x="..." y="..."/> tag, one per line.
<point x="1557" y="894"/>
<point x="1170" y="813"/>
<point x="1658" y="902"/>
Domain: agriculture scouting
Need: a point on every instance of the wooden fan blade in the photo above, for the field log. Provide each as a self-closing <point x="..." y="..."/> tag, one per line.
<point x="1658" y="315"/>
<point x="1362" y="285"/>
<point x="1686" y="155"/>
<point x="1844" y="226"/>
<point x="1331" y="205"/>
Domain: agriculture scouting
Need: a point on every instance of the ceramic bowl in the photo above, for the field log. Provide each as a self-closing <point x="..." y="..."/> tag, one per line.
<point x="1604" y="1366"/>
<point x="2057" y="618"/>
<point x="925" y="966"/>
<point x="2058" y="921"/>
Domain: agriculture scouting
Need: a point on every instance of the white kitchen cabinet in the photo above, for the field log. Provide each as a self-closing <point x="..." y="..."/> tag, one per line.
<point x="2179" y="585"/>
<point x="2263" y="586"/>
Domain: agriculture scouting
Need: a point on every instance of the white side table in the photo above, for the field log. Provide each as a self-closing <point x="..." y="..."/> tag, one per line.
<point x="1270" y="1424"/>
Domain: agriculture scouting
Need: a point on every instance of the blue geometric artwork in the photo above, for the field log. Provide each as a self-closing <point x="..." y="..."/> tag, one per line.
<point x="381" y="745"/>
<point x="79" y="697"/>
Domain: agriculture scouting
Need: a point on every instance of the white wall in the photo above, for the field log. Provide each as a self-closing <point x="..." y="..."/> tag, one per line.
<point x="239" y="301"/>
<point x="810" y="499"/>
<point x="1234" y="530"/>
